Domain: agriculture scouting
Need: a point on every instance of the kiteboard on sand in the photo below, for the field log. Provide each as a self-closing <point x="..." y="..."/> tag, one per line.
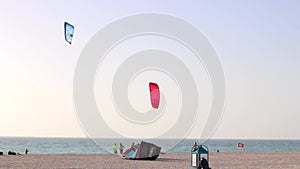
<point x="143" y="151"/>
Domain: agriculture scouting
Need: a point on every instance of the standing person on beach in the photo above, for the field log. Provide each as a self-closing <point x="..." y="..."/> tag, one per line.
<point x="121" y="148"/>
<point x="26" y="151"/>
<point x="204" y="164"/>
<point x="195" y="147"/>
<point x="132" y="145"/>
<point x="115" y="148"/>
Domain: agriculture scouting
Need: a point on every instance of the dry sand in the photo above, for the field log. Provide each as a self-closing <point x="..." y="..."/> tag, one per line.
<point x="175" y="161"/>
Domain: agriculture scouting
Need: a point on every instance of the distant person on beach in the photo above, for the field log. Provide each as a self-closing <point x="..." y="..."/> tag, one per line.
<point x="195" y="147"/>
<point x="26" y="151"/>
<point x="137" y="146"/>
<point x="121" y="148"/>
<point x="204" y="164"/>
<point x="115" y="148"/>
<point x="132" y="145"/>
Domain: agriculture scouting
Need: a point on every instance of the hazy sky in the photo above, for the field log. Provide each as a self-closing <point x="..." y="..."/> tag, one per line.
<point x="258" y="44"/>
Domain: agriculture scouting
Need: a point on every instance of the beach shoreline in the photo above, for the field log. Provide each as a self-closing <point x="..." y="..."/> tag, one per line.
<point x="174" y="160"/>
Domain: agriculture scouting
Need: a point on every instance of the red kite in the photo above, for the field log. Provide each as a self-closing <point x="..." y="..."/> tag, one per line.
<point x="154" y="95"/>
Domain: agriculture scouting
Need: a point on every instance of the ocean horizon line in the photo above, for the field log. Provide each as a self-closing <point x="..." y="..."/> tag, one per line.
<point x="76" y="137"/>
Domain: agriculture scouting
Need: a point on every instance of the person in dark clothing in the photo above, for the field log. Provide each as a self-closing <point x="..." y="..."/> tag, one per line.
<point x="204" y="163"/>
<point x="26" y="151"/>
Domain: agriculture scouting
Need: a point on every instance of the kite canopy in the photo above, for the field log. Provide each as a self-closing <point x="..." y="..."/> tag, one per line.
<point x="69" y="31"/>
<point x="154" y="94"/>
<point x="144" y="151"/>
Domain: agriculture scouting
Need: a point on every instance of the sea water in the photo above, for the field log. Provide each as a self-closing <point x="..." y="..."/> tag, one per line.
<point x="37" y="145"/>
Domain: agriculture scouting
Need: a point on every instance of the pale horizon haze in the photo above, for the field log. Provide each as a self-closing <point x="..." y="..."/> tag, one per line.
<point x="257" y="42"/>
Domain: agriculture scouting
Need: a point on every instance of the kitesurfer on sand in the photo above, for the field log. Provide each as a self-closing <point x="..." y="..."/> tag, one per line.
<point x="115" y="148"/>
<point x="121" y="148"/>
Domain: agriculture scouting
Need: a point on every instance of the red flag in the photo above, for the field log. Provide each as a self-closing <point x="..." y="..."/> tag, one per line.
<point x="240" y="145"/>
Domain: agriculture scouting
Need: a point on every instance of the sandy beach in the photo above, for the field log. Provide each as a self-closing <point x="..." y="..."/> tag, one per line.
<point x="241" y="160"/>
